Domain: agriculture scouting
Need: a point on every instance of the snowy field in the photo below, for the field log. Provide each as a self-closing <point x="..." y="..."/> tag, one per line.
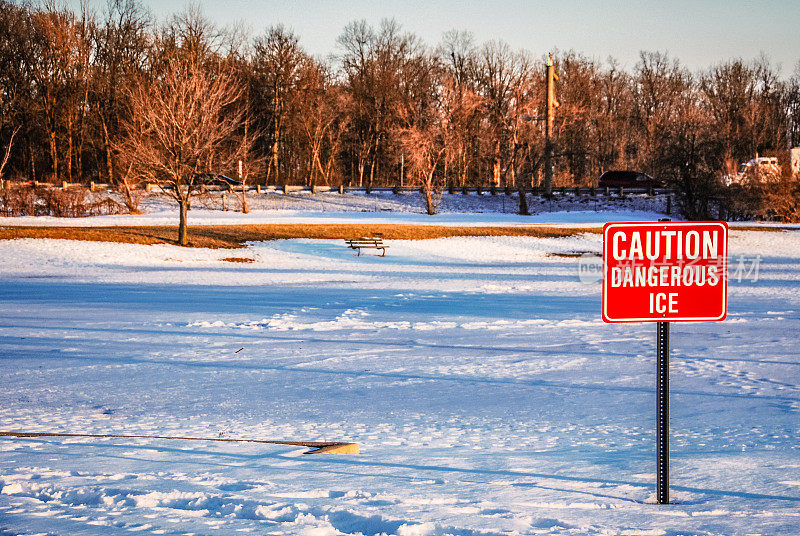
<point x="377" y="207"/>
<point x="485" y="392"/>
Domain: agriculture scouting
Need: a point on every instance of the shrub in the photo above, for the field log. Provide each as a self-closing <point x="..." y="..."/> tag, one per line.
<point x="22" y="199"/>
<point x="19" y="200"/>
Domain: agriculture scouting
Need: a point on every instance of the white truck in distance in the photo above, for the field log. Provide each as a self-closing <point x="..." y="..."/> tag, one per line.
<point x="759" y="169"/>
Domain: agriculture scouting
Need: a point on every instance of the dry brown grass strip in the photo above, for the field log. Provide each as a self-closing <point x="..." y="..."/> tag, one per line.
<point x="236" y="236"/>
<point x="768" y="228"/>
<point x="243" y="260"/>
<point x="573" y="254"/>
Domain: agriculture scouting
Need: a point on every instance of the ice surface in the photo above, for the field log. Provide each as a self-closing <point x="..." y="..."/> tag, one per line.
<point x="475" y="373"/>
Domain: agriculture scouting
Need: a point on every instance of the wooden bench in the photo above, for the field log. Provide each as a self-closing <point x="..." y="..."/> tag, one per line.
<point x="371" y="242"/>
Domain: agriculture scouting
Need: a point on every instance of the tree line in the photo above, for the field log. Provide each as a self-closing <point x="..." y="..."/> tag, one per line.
<point x="115" y="96"/>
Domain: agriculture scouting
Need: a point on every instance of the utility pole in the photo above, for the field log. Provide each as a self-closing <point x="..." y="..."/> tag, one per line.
<point x="552" y="104"/>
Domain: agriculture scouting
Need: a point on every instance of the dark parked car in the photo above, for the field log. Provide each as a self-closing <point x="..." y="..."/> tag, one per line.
<point x="629" y="179"/>
<point x="211" y="179"/>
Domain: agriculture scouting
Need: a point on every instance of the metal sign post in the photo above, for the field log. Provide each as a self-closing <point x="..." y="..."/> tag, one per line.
<point x="662" y="412"/>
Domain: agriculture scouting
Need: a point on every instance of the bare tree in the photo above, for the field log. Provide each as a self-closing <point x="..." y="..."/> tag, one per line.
<point x="461" y="104"/>
<point x="320" y="120"/>
<point x="358" y="68"/>
<point x="612" y="138"/>
<point x="382" y="70"/>
<point x="503" y="78"/>
<point x="14" y="82"/>
<point x="59" y="71"/>
<point x="7" y="153"/>
<point x="691" y="160"/>
<point x="120" y="44"/>
<point x="660" y="87"/>
<point x="793" y="107"/>
<point x="184" y="123"/>
<point x="729" y="93"/>
<point x="277" y="59"/>
<point x="250" y="163"/>
<point x="460" y="114"/>
<point x="424" y="113"/>
<point x="424" y="147"/>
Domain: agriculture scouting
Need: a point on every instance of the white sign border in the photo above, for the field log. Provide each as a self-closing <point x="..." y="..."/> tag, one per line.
<point x="721" y="224"/>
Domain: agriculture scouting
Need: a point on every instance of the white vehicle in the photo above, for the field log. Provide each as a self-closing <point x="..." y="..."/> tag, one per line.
<point x="760" y="167"/>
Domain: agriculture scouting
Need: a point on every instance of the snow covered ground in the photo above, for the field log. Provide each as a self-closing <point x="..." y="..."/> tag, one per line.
<point x="377" y="207"/>
<point x="475" y="373"/>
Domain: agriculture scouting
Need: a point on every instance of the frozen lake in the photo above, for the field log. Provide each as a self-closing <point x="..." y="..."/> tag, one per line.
<point x="486" y="394"/>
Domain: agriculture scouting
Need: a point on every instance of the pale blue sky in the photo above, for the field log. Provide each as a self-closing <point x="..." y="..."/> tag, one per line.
<point x="699" y="33"/>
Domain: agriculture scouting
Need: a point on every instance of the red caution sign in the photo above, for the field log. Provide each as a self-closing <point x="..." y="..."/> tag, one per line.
<point x="665" y="272"/>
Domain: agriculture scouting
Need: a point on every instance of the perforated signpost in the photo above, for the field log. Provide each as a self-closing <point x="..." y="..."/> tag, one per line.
<point x="665" y="272"/>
